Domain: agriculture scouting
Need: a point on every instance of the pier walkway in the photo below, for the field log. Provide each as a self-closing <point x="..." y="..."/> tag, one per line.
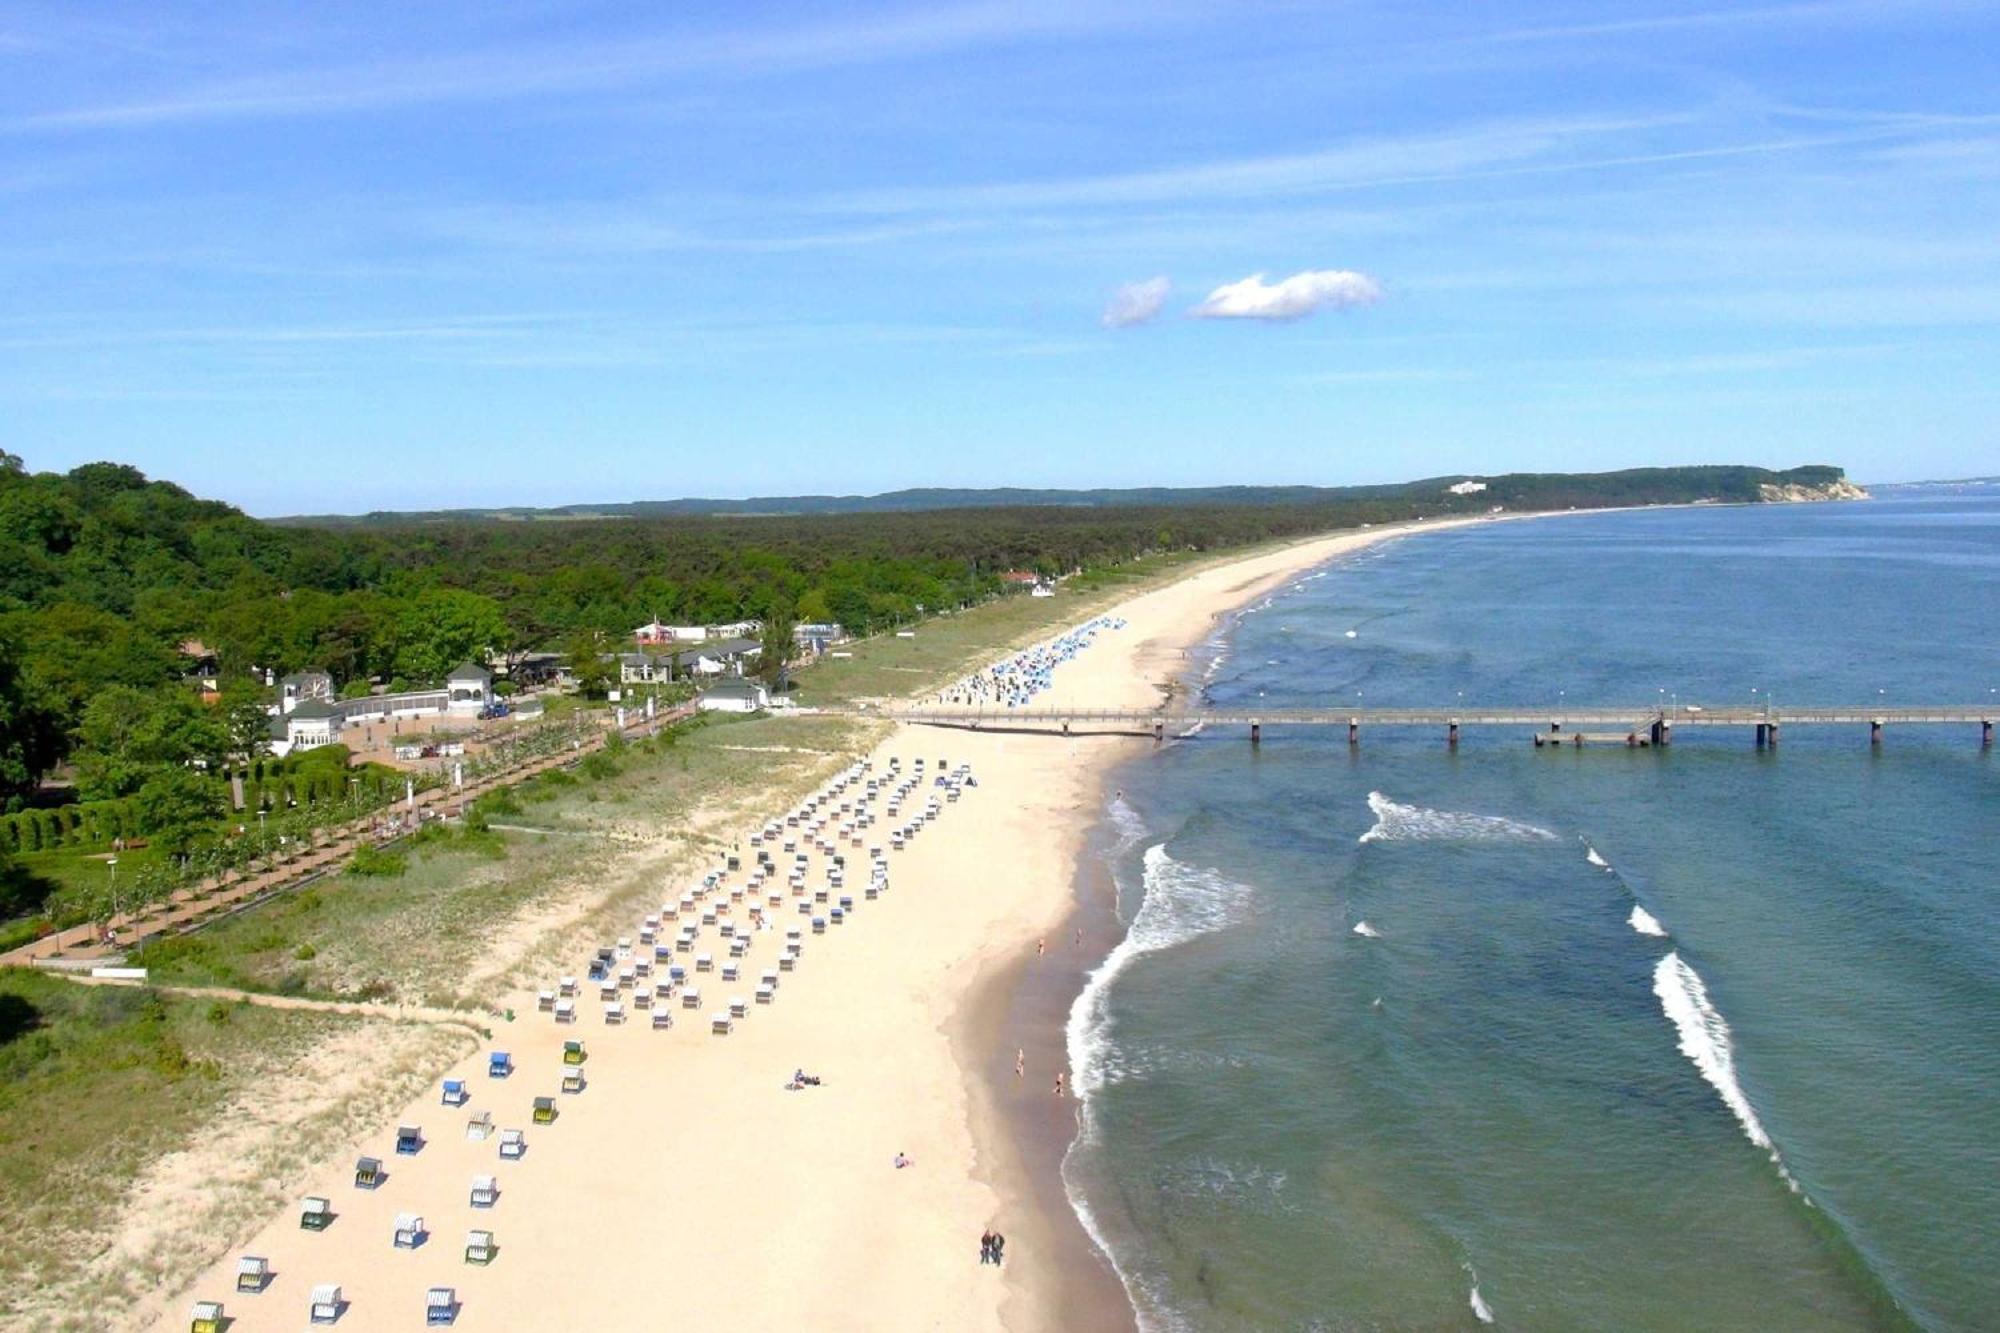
<point x="1637" y="726"/>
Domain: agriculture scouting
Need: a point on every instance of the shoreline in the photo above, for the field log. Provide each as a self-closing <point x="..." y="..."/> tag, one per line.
<point x="1025" y="1002"/>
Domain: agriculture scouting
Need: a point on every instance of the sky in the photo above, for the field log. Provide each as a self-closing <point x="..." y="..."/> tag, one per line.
<point x="345" y="257"/>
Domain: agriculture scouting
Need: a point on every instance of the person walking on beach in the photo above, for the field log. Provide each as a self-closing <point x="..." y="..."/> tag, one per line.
<point x="1020" y="1062"/>
<point x="986" y="1247"/>
<point x="1059" y="1083"/>
<point x="1041" y="946"/>
<point x="999" y="1244"/>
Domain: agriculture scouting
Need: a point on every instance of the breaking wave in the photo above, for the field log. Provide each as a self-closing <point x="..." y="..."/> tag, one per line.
<point x="1645" y="922"/>
<point x="1366" y="931"/>
<point x="1395" y="822"/>
<point x="1704" y="1039"/>
<point x="1590" y="855"/>
<point x="1181" y="903"/>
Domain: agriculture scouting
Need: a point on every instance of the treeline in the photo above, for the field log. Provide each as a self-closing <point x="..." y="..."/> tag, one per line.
<point x="104" y="573"/>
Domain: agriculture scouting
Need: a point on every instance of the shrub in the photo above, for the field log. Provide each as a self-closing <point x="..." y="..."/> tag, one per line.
<point x="305" y="953"/>
<point x="375" y="862"/>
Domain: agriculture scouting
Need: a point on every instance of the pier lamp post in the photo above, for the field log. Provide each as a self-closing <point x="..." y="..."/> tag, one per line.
<point x="112" y="862"/>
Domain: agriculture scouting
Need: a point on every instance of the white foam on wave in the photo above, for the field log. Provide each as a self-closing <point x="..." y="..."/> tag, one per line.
<point x="1354" y="634"/>
<point x="1181" y="903"/>
<point x="1590" y="855"/>
<point x="1645" y="922"/>
<point x="1704" y="1039"/>
<point x="1480" y="1309"/>
<point x="1395" y="822"/>
<point x="1366" y="931"/>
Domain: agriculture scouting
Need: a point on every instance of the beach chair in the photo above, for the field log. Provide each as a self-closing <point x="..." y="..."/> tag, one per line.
<point x="253" y="1274"/>
<point x="409" y="1140"/>
<point x="676" y="975"/>
<point x="691" y="998"/>
<point x="739" y="946"/>
<point x="315" y="1214"/>
<point x="479" y="1247"/>
<point x="720" y="1025"/>
<point x="836" y="916"/>
<point x="440" y="1307"/>
<point x="485" y="1191"/>
<point x="565" y="1011"/>
<point x="788" y="961"/>
<point x="574" y="1053"/>
<point x="624" y="948"/>
<point x="729" y="971"/>
<point x="662" y="1018"/>
<point x="765" y="991"/>
<point x="367" y="1173"/>
<point x="847" y="904"/>
<point x="662" y="952"/>
<point x="499" y="1064"/>
<point x="545" y="1001"/>
<point x="608" y="990"/>
<point x="738" y="1007"/>
<point x="566" y="986"/>
<point x="819" y="925"/>
<point x="873" y="890"/>
<point x="628" y="976"/>
<point x="704" y="962"/>
<point x="479" y="1127"/>
<point x="642" y="998"/>
<point x="207" y="1317"/>
<point x="513" y="1143"/>
<point x="614" y="1014"/>
<point x="545" y="1110"/>
<point x="572" y="1080"/>
<point x="769" y="977"/>
<point x="454" y="1092"/>
<point x="326" y="1306"/>
<point x="642" y="967"/>
<point x="409" y="1231"/>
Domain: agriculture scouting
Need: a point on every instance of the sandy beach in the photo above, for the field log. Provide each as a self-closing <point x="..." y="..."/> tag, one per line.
<point x="686" y="1183"/>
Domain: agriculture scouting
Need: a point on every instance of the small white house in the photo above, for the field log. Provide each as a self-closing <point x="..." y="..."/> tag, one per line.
<point x="470" y="688"/>
<point x="300" y="686"/>
<point x="737" y="695"/>
<point x="310" y="723"/>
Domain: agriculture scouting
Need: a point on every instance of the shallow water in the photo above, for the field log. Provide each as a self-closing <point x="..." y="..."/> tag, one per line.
<point x="1703" y="1037"/>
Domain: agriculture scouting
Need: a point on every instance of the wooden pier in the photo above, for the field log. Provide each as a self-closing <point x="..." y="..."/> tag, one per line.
<point x="1569" y="726"/>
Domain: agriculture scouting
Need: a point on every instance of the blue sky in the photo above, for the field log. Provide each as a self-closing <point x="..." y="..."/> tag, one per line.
<point x="337" y="257"/>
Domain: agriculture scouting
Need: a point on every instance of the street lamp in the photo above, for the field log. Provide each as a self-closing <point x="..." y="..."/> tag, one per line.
<point x="112" y="862"/>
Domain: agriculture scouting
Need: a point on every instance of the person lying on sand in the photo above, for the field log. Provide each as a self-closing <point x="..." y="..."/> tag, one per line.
<point x="902" y="1161"/>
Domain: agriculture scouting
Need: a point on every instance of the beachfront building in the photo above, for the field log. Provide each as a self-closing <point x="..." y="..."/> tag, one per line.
<point x="469" y="689"/>
<point x="738" y="695"/>
<point x="309" y="723"/>
<point x="297" y="688"/>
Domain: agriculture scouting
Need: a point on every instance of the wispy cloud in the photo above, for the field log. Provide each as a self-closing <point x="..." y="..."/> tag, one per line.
<point x="1136" y="303"/>
<point x="514" y="73"/>
<point x="1741" y="16"/>
<point x="1290" y="298"/>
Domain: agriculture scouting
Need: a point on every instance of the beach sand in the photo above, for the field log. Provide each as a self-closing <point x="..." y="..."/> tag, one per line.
<point x="687" y="1185"/>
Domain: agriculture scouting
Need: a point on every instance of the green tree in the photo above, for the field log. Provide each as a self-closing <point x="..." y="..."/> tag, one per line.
<point x="175" y="806"/>
<point x="444" y="627"/>
<point x="779" y="646"/>
<point x="30" y="732"/>
<point x="126" y="735"/>
<point x="588" y="653"/>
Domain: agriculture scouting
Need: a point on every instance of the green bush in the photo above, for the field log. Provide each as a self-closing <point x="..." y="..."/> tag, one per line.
<point x="305" y="953"/>
<point x="377" y="863"/>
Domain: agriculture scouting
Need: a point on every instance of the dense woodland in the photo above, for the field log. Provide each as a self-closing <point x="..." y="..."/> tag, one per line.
<point x="104" y="573"/>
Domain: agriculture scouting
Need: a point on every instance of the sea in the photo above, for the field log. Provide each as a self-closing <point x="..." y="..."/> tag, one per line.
<point x="1704" y="1037"/>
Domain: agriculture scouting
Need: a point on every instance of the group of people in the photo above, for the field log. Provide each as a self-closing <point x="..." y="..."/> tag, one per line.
<point x="990" y="1247"/>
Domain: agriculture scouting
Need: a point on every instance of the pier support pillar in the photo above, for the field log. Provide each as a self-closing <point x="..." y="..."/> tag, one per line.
<point x="1354" y="731"/>
<point x="1875" y="732"/>
<point x="1159" y="732"/>
<point x="1666" y="732"/>
<point x="1451" y="734"/>
<point x="1986" y="734"/>
<point x="1763" y="734"/>
<point x="1774" y="735"/>
<point x="1256" y="733"/>
<point x="1065" y="726"/>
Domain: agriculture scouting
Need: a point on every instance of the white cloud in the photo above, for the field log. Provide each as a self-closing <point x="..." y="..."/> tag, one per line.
<point x="1136" y="303"/>
<point x="1290" y="298"/>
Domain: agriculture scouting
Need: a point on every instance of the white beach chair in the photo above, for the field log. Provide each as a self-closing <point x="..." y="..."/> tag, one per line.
<point x="326" y="1305"/>
<point x="766" y="992"/>
<point x="513" y="1143"/>
<point x="440" y="1306"/>
<point x="485" y="1191"/>
<point x="691" y="998"/>
<point x="607" y="990"/>
<point x="614" y="1013"/>
<point x="206" y="1317"/>
<point x="479" y="1247"/>
<point x="729" y="971"/>
<point x="566" y="986"/>
<point x="545" y="1001"/>
<point x="409" y="1231"/>
<point x="253" y="1274"/>
<point x="720" y="1025"/>
<point x="479" y="1127"/>
<point x="738" y="1006"/>
<point x="704" y="962"/>
<point x="662" y="1018"/>
<point x="565" y="1011"/>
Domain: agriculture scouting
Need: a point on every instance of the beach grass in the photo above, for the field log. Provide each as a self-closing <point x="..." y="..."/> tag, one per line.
<point x="101" y="1085"/>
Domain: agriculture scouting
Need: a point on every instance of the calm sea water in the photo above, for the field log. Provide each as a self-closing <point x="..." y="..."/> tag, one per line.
<point x="1702" y="1038"/>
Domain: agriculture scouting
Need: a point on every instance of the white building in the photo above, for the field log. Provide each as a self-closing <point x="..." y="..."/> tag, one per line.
<point x="470" y="688"/>
<point x="737" y="695"/>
